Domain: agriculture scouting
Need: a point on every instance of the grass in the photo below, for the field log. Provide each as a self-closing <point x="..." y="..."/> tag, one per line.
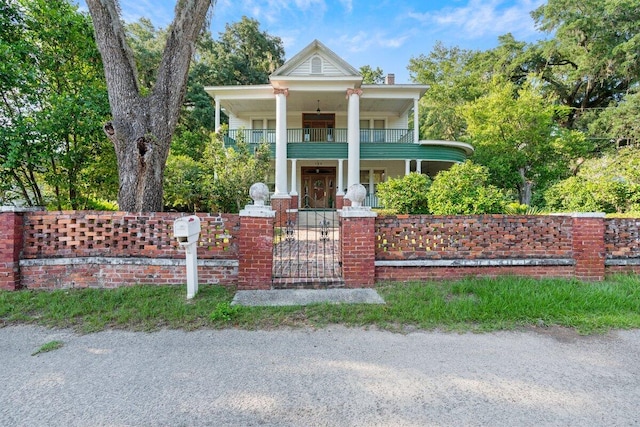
<point x="47" y="347"/>
<point x="474" y="304"/>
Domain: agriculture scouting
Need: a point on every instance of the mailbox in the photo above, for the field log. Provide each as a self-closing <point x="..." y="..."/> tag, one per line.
<point x="187" y="229"/>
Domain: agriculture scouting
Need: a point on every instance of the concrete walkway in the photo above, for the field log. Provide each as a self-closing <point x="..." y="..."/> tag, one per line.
<point x="284" y="297"/>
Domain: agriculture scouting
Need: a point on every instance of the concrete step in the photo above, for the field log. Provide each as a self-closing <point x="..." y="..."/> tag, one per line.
<point x="316" y="219"/>
<point x="308" y="283"/>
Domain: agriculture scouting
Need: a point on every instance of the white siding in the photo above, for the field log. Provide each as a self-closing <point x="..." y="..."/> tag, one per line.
<point x="328" y="68"/>
<point x="394" y="122"/>
<point x="237" y="123"/>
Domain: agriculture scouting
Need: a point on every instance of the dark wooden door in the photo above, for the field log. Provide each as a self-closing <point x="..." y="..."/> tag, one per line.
<point x="318" y="188"/>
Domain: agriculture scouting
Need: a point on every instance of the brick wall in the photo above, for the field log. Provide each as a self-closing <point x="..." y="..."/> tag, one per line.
<point x="358" y="251"/>
<point x="109" y="249"/>
<point x="622" y="245"/>
<point x="473" y="237"/>
<point x="123" y="234"/>
<point x="256" y="252"/>
<point x="10" y="247"/>
<point x="585" y="246"/>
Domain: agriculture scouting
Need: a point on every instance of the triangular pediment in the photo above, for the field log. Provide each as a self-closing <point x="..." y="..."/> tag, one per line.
<point x="315" y="60"/>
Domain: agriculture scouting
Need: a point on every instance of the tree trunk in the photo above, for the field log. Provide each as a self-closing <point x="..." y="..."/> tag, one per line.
<point x="525" y="188"/>
<point x="142" y="127"/>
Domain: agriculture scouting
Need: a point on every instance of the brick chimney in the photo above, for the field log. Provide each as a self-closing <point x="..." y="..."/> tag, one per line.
<point x="390" y="79"/>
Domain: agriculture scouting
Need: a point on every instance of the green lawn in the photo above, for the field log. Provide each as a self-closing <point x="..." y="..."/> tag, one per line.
<point x="466" y="305"/>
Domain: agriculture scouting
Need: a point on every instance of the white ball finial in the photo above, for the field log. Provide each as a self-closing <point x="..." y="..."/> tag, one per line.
<point x="356" y="193"/>
<point x="259" y="193"/>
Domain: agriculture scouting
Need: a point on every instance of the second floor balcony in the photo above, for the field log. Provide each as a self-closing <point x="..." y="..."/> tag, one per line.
<point x="328" y="135"/>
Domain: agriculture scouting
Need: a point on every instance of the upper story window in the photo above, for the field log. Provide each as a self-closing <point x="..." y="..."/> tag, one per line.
<point x="316" y="65"/>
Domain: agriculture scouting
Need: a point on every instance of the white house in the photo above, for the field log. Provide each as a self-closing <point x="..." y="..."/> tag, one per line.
<point x="328" y="130"/>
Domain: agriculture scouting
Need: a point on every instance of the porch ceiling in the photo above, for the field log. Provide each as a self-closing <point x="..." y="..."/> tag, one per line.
<point x="307" y="101"/>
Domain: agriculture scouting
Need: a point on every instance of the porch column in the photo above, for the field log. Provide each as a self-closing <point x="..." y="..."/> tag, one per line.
<point x="416" y="120"/>
<point x="281" y="142"/>
<point x="407" y="167"/>
<point x="340" y="185"/>
<point x="419" y="165"/>
<point x="217" y="122"/>
<point x="294" y="178"/>
<point x="353" y="136"/>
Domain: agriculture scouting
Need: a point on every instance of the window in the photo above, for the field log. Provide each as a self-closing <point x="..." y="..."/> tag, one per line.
<point x="364" y="179"/>
<point x="378" y="133"/>
<point x="316" y="65"/>
<point x="261" y="134"/>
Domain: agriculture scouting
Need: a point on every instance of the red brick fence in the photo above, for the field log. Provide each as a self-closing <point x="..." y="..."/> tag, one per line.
<point x="108" y="249"/>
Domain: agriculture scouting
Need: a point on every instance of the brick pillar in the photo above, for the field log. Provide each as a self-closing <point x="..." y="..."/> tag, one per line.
<point x="339" y="201"/>
<point x="280" y="205"/>
<point x="588" y="246"/>
<point x="255" y="248"/>
<point x="357" y="239"/>
<point x="11" y="241"/>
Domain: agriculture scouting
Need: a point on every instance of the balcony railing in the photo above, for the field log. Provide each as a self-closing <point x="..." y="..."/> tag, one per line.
<point x="329" y="135"/>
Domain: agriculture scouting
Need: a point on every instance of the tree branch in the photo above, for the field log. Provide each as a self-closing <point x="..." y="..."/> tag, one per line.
<point x="117" y="57"/>
<point x="190" y="16"/>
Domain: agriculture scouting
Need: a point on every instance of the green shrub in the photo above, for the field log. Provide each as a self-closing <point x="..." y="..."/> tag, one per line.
<point x="406" y="195"/>
<point x="465" y="189"/>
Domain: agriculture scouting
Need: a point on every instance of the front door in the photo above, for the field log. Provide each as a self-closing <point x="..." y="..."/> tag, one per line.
<point x="318" y="188"/>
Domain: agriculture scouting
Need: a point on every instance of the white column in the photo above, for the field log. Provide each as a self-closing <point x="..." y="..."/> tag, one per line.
<point x="407" y="167"/>
<point x="217" y="122"/>
<point x="340" y="183"/>
<point x="281" y="142"/>
<point x="416" y="120"/>
<point x="419" y="165"/>
<point x="294" y="178"/>
<point x="353" y="136"/>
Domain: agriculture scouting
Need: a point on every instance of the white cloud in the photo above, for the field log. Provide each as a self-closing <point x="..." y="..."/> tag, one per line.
<point x="481" y="17"/>
<point x="363" y="41"/>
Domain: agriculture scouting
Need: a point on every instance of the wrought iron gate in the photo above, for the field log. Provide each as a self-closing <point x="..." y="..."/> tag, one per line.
<point x="306" y="251"/>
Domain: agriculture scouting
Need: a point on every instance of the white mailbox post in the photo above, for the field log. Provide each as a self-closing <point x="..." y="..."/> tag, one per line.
<point x="187" y="230"/>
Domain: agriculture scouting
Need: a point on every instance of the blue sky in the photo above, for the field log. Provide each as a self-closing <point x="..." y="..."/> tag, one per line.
<point x="382" y="33"/>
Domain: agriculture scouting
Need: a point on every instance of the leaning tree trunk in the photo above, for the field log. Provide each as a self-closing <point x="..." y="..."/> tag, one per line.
<point x="526" y="188"/>
<point x="142" y="126"/>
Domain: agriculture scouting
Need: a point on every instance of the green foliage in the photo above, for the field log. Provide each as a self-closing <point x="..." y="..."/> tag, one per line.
<point x="54" y="102"/>
<point x="619" y="122"/>
<point x="516" y="137"/>
<point x="465" y="189"/>
<point x="371" y="76"/>
<point x="405" y="195"/>
<point x="607" y="184"/>
<point x="452" y="82"/>
<point x="184" y="185"/>
<point x="224" y="311"/>
<point x="516" y="208"/>
<point x="243" y="55"/>
<point x="147" y="44"/>
<point x="47" y="347"/>
<point x="477" y="304"/>
<point x="233" y="171"/>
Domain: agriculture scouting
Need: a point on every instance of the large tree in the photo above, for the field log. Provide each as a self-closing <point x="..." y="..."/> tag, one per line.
<point x="593" y="57"/>
<point x="143" y="123"/>
<point x="516" y="137"/>
<point x="452" y="82"/>
<point x="53" y="98"/>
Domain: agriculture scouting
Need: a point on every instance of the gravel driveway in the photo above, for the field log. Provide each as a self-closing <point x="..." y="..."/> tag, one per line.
<point x="329" y="377"/>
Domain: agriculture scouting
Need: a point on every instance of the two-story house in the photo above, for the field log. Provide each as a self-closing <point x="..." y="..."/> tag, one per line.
<point x="328" y="130"/>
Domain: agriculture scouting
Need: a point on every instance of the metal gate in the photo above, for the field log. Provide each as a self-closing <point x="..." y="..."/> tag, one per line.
<point x="306" y="251"/>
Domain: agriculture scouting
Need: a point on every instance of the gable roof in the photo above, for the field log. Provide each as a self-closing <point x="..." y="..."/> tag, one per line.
<point x="301" y="65"/>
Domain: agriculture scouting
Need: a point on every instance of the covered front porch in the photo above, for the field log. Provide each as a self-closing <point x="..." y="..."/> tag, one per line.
<point x="322" y="183"/>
